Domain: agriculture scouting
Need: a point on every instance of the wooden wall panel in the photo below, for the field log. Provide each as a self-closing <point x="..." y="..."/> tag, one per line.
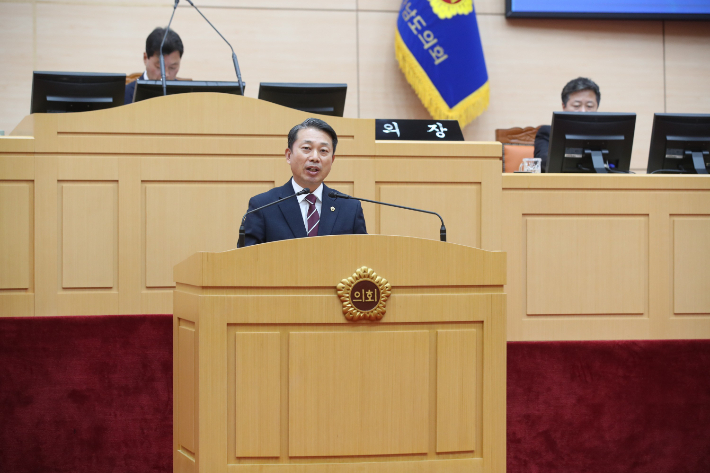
<point x="687" y="50"/>
<point x="15" y="235"/>
<point x="691" y="260"/>
<point x="182" y="217"/>
<point x="280" y="4"/>
<point x="455" y="390"/>
<point x="452" y="201"/>
<point x="112" y="36"/>
<point x="46" y="236"/>
<point x="576" y="265"/>
<point x="384" y="92"/>
<point x="347" y="188"/>
<point x="89" y="235"/>
<point x="332" y="379"/>
<point x="480" y="6"/>
<point x="258" y="394"/>
<point x="606" y="257"/>
<point x="17" y="59"/>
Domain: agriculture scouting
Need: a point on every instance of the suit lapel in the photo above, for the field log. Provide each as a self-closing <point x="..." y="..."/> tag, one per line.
<point x="327" y="217"/>
<point x="292" y="211"/>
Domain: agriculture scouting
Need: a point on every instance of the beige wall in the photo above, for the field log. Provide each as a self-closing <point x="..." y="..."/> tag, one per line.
<point x="642" y="66"/>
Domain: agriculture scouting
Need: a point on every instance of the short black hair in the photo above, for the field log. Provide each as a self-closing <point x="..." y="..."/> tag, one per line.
<point x="172" y="42"/>
<point x="316" y="123"/>
<point x="579" y="84"/>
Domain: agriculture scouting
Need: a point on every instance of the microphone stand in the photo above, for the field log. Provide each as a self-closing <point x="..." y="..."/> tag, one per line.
<point x="162" y="60"/>
<point x="242" y="231"/>
<point x="442" y="230"/>
<point x="234" y="55"/>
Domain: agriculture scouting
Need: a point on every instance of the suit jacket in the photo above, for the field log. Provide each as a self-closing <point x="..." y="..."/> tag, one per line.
<point x="284" y="220"/>
<point x="130" y="89"/>
<point x="542" y="143"/>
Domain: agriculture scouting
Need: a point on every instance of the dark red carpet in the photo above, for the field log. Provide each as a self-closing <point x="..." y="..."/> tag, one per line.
<point x="627" y="406"/>
<point x="94" y="394"/>
<point x="86" y="394"/>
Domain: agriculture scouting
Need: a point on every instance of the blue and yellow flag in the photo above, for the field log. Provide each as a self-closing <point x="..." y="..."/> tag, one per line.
<point x="439" y="50"/>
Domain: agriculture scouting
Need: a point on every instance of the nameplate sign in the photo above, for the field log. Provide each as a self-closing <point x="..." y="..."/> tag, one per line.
<point x="418" y="130"/>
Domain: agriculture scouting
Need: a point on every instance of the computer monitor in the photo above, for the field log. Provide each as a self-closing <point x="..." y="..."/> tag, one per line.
<point x="323" y="99"/>
<point x="591" y="142"/>
<point x="147" y="89"/>
<point x="61" y="92"/>
<point x="680" y="143"/>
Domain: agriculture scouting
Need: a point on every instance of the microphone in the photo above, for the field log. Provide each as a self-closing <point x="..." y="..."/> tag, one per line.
<point x="234" y="55"/>
<point x="442" y="230"/>
<point x="162" y="60"/>
<point x="242" y="231"/>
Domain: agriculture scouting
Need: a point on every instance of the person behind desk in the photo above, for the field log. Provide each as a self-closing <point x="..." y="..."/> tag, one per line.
<point x="310" y="153"/>
<point x="579" y="95"/>
<point x="172" y="54"/>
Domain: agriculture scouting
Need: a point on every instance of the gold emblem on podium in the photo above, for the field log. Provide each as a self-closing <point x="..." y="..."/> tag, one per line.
<point x="364" y="295"/>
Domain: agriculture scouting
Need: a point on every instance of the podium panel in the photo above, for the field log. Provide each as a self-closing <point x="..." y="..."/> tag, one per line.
<point x="270" y="375"/>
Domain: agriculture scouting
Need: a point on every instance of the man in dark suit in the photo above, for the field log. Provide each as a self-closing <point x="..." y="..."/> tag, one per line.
<point x="172" y="54"/>
<point x="579" y="95"/>
<point x="310" y="153"/>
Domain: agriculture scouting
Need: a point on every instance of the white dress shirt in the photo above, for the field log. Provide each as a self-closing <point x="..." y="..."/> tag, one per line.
<point x="303" y="203"/>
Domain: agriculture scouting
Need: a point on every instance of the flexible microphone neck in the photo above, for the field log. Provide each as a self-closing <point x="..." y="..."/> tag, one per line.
<point x="162" y="59"/>
<point x="234" y="55"/>
<point x="242" y="230"/>
<point x="442" y="230"/>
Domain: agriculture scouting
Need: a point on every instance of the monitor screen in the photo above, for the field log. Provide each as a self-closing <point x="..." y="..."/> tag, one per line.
<point x="631" y="9"/>
<point x="591" y="142"/>
<point x="680" y="143"/>
<point x="148" y="89"/>
<point x="62" y="92"/>
<point x="323" y="99"/>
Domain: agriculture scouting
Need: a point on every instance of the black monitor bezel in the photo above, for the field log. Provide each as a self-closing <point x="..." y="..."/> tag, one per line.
<point x="148" y="89"/>
<point x="113" y="83"/>
<point x="676" y="125"/>
<point x="280" y="93"/>
<point x="612" y="125"/>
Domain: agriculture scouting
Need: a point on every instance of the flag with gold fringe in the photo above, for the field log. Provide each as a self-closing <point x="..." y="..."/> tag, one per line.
<point x="439" y="50"/>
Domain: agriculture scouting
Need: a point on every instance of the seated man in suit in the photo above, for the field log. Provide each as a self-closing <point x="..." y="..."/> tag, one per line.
<point x="310" y="153"/>
<point x="579" y="95"/>
<point x="172" y="54"/>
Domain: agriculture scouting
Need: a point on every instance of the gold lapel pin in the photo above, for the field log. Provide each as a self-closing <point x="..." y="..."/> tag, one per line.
<point x="332" y="209"/>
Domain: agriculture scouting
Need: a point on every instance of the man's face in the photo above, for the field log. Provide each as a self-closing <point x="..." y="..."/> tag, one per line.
<point x="581" y="101"/>
<point x="172" y="65"/>
<point x="311" y="157"/>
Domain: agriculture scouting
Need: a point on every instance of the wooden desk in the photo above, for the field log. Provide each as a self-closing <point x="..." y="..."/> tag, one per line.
<point x="607" y="257"/>
<point x="97" y="207"/>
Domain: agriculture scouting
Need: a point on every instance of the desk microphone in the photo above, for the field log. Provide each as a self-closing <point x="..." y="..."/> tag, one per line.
<point x="234" y="55"/>
<point x="442" y="230"/>
<point x="242" y="231"/>
<point x="162" y="60"/>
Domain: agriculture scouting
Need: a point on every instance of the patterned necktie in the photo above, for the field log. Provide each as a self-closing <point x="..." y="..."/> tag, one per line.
<point x="313" y="217"/>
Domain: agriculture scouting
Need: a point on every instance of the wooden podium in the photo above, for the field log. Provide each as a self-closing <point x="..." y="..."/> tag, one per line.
<point x="269" y="375"/>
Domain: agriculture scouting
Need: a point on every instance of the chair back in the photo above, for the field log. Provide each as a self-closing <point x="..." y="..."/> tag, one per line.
<point x="518" y="144"/>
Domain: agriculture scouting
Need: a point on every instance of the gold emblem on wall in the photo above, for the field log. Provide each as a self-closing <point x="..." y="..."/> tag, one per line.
<point x="364" y="295"/>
